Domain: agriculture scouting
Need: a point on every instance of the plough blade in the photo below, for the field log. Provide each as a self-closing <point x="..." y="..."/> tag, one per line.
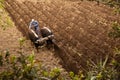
<point x="43" y="40"/>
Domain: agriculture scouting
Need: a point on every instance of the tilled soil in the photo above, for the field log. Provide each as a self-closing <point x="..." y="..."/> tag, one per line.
<point x="81" y="28"/>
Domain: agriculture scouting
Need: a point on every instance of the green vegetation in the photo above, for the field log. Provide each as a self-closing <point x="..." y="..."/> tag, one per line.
<point x="102" y="70"/>
<point x="115" y="33"/>
<point x="80" y="76"/>
<point x="5" y="20"/>
<point x="22" y="41"/>
<point x="24" y="68"/>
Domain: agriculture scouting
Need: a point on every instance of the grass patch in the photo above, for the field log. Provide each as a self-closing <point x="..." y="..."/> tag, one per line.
<point x="5" y="20"/>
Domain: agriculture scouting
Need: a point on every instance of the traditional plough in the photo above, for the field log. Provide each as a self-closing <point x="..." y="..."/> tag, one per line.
<point x="46" y="37"/>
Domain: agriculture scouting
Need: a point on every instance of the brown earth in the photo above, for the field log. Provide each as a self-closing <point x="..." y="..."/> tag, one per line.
<point x="81" y="28"/>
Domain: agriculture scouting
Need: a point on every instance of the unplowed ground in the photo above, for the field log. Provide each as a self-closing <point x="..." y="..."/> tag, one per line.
<point x="81" y="28"/>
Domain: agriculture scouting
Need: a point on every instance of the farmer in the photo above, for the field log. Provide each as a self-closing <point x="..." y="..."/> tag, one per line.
<point x="34" y="25"/>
